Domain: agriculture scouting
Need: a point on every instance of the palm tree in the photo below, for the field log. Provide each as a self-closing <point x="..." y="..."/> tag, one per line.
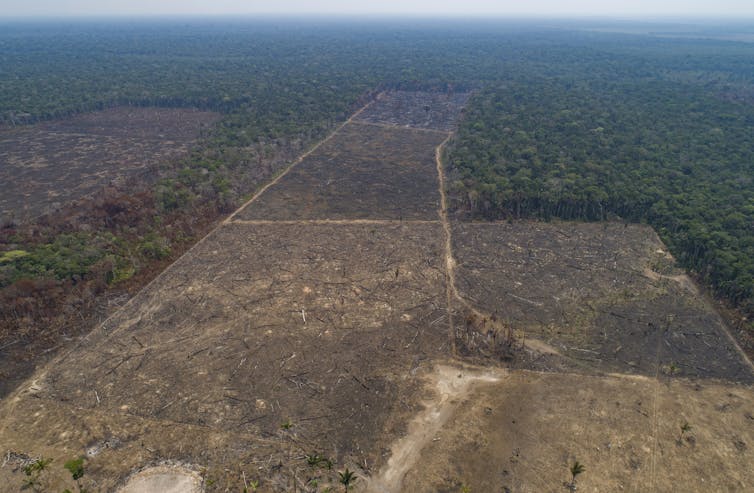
<point x="576" y="469"/>
<point x="346" y="478"/>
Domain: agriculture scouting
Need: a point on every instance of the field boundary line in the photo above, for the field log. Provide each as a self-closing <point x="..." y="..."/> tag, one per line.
<point x="295" y="163"/>
<point x="655" y="416"/>
<point x="400" y="127"/>
<point x="452" y="292"/>
<point x="314" y="222"/>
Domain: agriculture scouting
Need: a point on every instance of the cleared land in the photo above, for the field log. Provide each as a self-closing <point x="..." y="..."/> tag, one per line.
<point x="259" y="326"/>
<point x="524" y="433"/>
<point x="428" y="110"/>
<point x="61" y="161"/>
<point x="608" y="296"/>
<point x="363" y="172"/>
<point x="299" y="332"/>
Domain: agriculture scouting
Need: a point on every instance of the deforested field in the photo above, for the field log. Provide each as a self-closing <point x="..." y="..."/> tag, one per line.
<point x="607" y="296"/>
<point x="53" y="163"/>
<point x="342" y="319"/>
<point x="411" y="109"/>
<point x="363" y="172"/>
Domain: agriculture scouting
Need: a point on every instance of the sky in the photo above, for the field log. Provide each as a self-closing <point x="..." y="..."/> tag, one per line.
<point x="559" y="8"/>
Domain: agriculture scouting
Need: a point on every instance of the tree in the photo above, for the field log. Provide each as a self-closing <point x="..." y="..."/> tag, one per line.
<point x="346" y="478"/>
<point x="576" y="469"/>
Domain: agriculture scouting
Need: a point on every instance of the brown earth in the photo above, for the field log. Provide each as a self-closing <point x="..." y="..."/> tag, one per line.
<point x="50" y="164"/>
<point x="595" y="292"/>
<point x="429" y="110"/>
<point x="259" y="326"/>
<point x="363" y="172"/>
<point x="402" y="349"/>
<point x="524" y="433"/>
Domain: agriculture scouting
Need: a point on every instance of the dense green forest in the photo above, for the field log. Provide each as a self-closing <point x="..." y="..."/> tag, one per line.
<point x="565" y="122"/>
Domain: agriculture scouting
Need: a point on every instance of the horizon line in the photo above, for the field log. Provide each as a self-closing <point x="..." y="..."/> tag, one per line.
<point x="490" y="16"/>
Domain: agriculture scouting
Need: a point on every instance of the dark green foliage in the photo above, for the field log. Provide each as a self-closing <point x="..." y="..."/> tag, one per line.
<point x="37" y="466"/>
<point x="316" y="460"/>
<point x="576" y="469"/>
<point x="272" y="79"/>
<point x="346" y="478"/>
<point x="67" y="256"/>
<point x="76" y="468"/>
<point x="685" y="428"/>
<point x="154" y="247"/>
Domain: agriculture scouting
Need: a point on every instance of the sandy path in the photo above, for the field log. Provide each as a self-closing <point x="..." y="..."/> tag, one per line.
<point x="451" y="386"/>
<point x="450" y="279"/>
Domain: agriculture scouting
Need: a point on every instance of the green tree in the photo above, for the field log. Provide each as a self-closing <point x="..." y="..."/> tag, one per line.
<point x="346" y="478"/>
<point x="576" y="469"/>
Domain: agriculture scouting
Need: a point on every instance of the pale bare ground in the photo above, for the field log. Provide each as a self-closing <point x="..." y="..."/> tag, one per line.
<point x="523" y="433"/>
<point x="164" y="479"/>
<point x="450" y="385"/>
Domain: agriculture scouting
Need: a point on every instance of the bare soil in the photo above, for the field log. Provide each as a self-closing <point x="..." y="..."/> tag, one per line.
<point x="162" y="479"/>
<point x="219" y="343"/>
<point x="606" y="295"/>
<point x="428" y="110"/>
<point x="452" y="386"/>
<point x="363" y="172"/>
<point x="524" y="433"/>
<point x="50" y="164"/>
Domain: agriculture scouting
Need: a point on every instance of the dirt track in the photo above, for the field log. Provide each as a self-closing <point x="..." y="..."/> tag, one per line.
<point x="334" y="321"/>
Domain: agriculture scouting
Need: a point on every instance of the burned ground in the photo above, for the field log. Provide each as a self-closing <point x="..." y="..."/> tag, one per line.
<point x="363" y="172"/>
<point x="57" y="162"/>
<point x="429" y="110"/>
<point x="590" y="291"/>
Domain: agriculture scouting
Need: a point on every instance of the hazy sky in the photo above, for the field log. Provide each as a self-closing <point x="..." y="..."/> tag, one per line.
<point x="633" y="8"/>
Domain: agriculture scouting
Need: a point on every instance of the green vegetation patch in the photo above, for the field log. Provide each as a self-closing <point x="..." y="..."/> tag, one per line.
<point x="77" y="255"/>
